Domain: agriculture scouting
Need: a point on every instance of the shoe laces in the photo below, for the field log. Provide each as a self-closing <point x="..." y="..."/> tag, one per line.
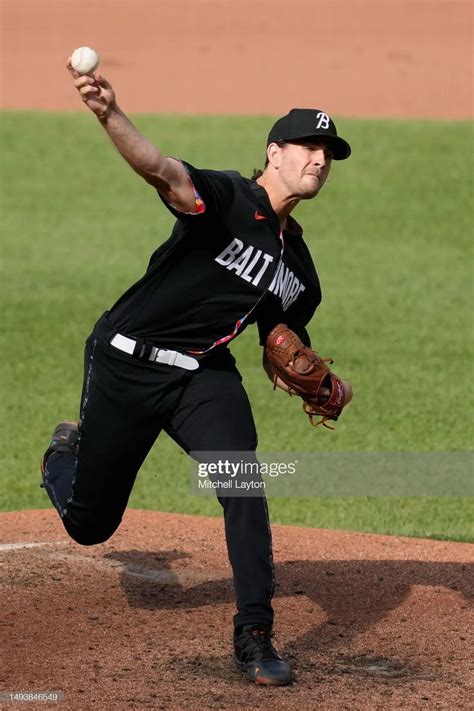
<point x="259" y="641"/>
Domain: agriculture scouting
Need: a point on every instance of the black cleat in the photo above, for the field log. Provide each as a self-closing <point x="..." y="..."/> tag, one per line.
<point x="65" y="438"/>
<point x="255" y="655"/>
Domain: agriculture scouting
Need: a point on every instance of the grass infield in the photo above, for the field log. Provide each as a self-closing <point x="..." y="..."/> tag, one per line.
<point x="391" y="236"/>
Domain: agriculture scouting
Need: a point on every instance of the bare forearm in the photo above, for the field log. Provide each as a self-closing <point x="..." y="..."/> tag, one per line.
<point x="167" y="175"/>
<point x="145" y="158"/>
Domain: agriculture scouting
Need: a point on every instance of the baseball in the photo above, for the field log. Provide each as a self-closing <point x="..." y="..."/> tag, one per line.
<point x="84" y="60"/>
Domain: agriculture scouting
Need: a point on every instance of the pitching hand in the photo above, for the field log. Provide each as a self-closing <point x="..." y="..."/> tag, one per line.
<point x="95" y="91"/>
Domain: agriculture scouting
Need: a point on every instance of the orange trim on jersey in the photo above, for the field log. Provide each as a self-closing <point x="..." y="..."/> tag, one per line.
<point x="200" y="205"/>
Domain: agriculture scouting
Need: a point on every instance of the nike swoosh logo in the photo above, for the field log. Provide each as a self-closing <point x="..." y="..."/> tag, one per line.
<point x="258" y="216"/>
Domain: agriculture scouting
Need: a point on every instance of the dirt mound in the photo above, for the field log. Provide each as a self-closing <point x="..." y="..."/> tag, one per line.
<point x="144" y="620"/>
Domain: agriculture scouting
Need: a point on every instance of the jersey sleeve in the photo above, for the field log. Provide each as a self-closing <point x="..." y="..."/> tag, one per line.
<point x="303" y="334"/>
<point x="214" y="193"/>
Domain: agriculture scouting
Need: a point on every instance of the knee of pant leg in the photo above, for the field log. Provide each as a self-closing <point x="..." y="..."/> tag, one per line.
<point x="89" y="538"/>
<point x="90" y="535"/>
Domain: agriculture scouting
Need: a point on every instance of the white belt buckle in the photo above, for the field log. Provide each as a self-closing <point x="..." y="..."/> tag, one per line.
<point x="168" y="357"/>
<point x="157" y="355"/>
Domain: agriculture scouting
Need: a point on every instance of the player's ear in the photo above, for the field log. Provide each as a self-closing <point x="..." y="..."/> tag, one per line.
<point x="274" y="153"/>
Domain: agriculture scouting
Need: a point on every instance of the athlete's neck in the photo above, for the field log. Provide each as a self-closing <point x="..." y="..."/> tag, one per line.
<point x="282" y="204"/>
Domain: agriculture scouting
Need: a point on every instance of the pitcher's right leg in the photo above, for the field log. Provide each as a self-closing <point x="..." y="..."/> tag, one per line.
<point x="90" y="468"/>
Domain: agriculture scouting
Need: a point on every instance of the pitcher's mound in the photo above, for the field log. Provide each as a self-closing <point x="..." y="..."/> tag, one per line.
<point x="145" y="620"/>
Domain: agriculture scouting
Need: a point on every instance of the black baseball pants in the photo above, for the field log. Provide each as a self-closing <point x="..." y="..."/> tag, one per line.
<point x="125" y="404"/>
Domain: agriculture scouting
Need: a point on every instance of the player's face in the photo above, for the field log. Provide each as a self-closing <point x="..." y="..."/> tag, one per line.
<point x="304" y="167"/>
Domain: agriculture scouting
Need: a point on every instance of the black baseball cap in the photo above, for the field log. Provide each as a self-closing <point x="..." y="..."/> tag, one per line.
<point x="309" y="123"/>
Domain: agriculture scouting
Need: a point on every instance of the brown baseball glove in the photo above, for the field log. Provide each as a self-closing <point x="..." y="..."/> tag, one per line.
<point x="306" y="374"/>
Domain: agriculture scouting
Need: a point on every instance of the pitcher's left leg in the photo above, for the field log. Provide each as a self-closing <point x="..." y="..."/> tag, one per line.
<point x="214" y="415"/>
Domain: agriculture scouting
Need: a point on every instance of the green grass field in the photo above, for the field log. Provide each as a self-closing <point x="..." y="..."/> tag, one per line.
<point x="391" y="235"/>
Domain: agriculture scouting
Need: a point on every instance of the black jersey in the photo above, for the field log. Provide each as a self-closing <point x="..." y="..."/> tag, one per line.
<point x="224" y="266"/>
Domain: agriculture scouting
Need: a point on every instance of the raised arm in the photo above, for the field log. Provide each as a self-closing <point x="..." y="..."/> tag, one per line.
<point x="167" y="175"/>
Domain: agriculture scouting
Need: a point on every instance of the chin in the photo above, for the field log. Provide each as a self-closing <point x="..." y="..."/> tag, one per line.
<point x="310" y="194"/>
<point x="309" y="189"/>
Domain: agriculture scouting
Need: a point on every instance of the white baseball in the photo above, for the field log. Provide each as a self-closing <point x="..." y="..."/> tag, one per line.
<point x="84" y="60"/>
